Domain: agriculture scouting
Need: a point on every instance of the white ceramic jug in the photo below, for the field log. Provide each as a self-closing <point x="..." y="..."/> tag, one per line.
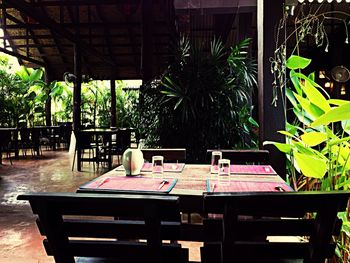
<point x="132" y="161"/>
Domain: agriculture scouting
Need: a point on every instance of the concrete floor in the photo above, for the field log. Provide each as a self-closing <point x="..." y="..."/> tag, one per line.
<point x="20" y="241"/>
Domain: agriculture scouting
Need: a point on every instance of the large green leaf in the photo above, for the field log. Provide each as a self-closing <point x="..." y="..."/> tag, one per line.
<point x="336" y="114"/>
<point x="302" y="117"/>
<point x="297" y="62"/>
<point x="283" y="147"/>
<point x="337" y="102"/>
<point x="346" y="126"/>
<point x="315" y="96"/>
<point x="313" y="138"/>
<point x="307" y="106"/>
<point x="36" y="75"/>
<point x="311" y="166"/>
<point x="291" y="98"/>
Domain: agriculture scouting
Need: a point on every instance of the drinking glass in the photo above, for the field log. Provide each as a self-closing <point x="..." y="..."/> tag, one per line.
<point x="157" y="164"/>
<point x="215" y="157"/>
<point x="224" y="169"/>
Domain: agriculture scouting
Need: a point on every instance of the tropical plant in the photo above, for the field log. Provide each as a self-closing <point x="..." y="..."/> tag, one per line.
<point x="201" y="95"/>
<point x="318" y="142"/>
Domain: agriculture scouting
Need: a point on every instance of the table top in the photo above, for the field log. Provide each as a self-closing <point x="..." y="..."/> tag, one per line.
<point x="192" y="181"/>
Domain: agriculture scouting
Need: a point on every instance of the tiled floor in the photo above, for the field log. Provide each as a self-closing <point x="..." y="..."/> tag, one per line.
<point x="20" y="241"/>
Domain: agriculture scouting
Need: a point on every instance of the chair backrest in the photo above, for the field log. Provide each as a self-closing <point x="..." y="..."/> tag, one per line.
<point x="84" y="139"/>
<point x="243" y="156"/>
<point x="63" y="216"/>
<point x="269" y="215"/>
<point x="123" y="140"/>
<point x="170" y="154"/>
<point x="5" y="139"/>
<point x="25" y="135"/>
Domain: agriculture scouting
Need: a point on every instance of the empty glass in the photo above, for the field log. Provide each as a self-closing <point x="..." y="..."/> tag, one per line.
<point x="224" y="168"/>
<point x="157" y="164"/>
<point x="215" y="157"/>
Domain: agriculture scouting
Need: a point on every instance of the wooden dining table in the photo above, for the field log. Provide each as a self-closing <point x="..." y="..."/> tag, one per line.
<point x="189" y="182"/>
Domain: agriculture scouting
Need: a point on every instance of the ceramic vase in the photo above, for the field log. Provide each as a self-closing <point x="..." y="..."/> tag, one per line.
<point x="132" y="161"/>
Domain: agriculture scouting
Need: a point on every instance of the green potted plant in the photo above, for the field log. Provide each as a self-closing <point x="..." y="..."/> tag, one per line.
<point x="317" y="142"/>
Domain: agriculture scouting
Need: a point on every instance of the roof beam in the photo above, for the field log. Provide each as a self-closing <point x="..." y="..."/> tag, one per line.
<point x="73" y="3"/>
<point x="55" y="39"/>
<point x="17" y="55"/>
<point x="111" y="25"/>
<point x="36" y="14"/>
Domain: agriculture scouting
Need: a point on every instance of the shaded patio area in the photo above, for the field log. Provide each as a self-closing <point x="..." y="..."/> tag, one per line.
<point x="20" y="240"/>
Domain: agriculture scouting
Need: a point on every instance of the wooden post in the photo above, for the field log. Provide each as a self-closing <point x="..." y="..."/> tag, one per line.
<point x="147" y="41"/>
<point x="48" y="100"/>
<point x="113" y="105"/>
<point x="77" y="89"/>
<point x="271" y="118"/>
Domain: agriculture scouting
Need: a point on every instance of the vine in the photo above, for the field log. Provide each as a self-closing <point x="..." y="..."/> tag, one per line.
<point x="311" y="24"/>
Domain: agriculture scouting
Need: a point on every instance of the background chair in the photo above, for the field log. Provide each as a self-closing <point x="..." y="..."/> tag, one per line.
<point x="170" y="154"/>
<point x="5" y="145"/>
<point x="85" y="141"/>
<point x="243" y="156"/>
<point x="121" y="143"/>
<point x="151" y="219"/>
<point x="237" y="239"/>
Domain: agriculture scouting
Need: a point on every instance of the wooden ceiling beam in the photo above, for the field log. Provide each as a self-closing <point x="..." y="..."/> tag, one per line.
<point x="72" y="3"/>
<point x="106" y="31"/>
<point x="111" y="25"/>
<point x="86" y="36"/>
<point x="22" y="57"/>
<point x="43" y="19"/>
<point x="56" y="40"/>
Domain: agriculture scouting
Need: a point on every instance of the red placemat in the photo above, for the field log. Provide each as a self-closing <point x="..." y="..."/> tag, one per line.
<point x="246" y="186"/>
<point x="168" y="167"/>
<point x="251" y="169"/>
<point x="127" y="183"/>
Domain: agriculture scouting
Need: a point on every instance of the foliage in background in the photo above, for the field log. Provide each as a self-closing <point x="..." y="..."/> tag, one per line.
<point x="318" y="141"/>
<point x="202" y="100"/>
<point x="23" y="94"/>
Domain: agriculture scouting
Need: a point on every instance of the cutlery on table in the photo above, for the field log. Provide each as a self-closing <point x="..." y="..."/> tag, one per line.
<point x="280" y="189"/>
<point x="162" y="184"/>
<point x="102" y="182"/>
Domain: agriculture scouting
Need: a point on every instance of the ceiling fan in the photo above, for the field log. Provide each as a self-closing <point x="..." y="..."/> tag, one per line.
<point x="340" y="74"/>
<point x="69" y="78"/>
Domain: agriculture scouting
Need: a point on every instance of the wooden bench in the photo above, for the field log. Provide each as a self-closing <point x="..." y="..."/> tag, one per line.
<point x="170" y="154"/>
<point x="272" y="214"/>
<point x="68" y="219"/>
<point x="243" y="156"/>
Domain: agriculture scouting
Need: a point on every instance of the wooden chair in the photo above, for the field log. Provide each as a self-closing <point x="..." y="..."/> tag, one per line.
<point x="84" y="141"/>
<point x="171" y="154"/>
<point x="68" y="219"/>
<point x="272" y="214"/>
<point x="5" y="145"/>
<point x="244" y="156"/>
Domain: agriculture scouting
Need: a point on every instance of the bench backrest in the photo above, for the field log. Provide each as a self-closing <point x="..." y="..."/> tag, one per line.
<point x="243" y="156"/>
<point x="170" y="154"/>
<point x="269" y="215"/>
<point x="144" y="222"/>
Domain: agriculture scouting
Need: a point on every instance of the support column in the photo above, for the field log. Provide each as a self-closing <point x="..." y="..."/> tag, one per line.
<point x="77" y="89"/>
<point x="113" y="105"/>
<point x="48" y="100"/>
<point x="147" y="41"/>
<point x="271" y="118"/>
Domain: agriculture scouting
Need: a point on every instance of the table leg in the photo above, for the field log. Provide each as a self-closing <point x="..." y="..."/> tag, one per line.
<point x="79" y="160"/>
